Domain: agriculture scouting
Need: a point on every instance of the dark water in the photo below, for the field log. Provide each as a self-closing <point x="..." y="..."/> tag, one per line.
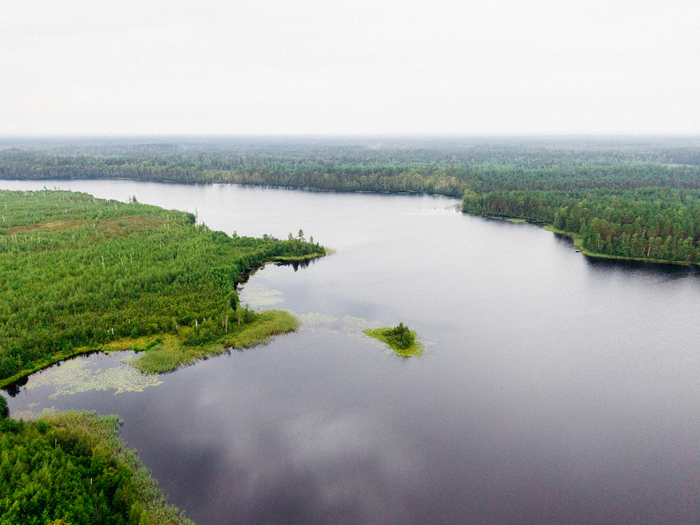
<point x="553" y="388"/>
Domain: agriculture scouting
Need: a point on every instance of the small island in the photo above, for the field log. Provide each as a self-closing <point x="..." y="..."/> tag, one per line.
<point x="400" y="339"/>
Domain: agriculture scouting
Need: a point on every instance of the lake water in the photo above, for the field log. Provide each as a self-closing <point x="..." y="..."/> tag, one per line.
<point x="552" y="389"/>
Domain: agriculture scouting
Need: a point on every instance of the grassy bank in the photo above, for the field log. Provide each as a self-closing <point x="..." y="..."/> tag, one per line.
<point x="71" y="468"/>
<point x="170" y="351"/>
<point x="577" y="240"/>
<point x="578" y="245"/>
<point x="304" y="257"/>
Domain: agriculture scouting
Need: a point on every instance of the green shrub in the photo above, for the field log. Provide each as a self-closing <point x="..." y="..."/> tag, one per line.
<point x="401" y="336"/>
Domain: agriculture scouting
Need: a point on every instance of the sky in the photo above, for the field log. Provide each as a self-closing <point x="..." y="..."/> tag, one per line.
<point x="307" y="67"/>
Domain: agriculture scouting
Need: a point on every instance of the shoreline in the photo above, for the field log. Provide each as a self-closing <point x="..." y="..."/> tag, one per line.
<point x="75" y="449"/>
<point x="259" y="332"/>
<point x="141" y="244"/>
<point x="576" y="238"/>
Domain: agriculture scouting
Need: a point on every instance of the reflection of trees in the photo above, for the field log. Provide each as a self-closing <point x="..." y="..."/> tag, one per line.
<point x="664" y="271"/>
<point x="14" y="388"/>
<point x="299" y="264"/>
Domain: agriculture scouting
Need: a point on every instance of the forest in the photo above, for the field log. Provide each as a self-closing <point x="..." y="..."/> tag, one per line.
<point x="649" y="223"/>
<point x="78" y="273"/>
<point x="71" y="469"/>
<point x="618" y="197"/>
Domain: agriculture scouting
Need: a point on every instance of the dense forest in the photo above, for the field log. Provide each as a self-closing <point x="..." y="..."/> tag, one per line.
<point x="71" y="469"/>
<point x="653" y="223"/>
<point x="620" y="197"/>
<point x="77" y="273"/>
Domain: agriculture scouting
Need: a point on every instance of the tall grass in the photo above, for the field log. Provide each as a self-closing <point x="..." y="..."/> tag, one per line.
<point x="170" y="353"/>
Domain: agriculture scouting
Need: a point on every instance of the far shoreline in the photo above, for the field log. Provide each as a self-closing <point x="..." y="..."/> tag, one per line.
<point x="576" y="238"/>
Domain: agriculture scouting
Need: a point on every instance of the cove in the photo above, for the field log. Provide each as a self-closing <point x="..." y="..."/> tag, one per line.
<point x="553" y="388"/>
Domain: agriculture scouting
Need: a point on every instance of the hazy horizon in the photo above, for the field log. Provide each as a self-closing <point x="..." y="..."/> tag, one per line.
<point x="382" y="68"/>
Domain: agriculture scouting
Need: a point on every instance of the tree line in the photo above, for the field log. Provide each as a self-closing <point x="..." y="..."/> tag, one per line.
<point x="621" y="197"/>
<point x="429" y="166"/>
<point x="653" y="223"/>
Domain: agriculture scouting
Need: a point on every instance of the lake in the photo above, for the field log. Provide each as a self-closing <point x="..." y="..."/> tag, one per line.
<point x="553" y="388"/>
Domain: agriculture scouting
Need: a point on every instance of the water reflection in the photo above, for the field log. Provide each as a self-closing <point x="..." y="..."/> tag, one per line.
<point x="15" y="388"/>
<point x="299" y="264"/>
<point x="642" y="268"/>
<point x="564" y="239"/>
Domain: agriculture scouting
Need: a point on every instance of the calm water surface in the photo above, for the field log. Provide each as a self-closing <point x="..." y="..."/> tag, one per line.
<point x="553" y="388"/>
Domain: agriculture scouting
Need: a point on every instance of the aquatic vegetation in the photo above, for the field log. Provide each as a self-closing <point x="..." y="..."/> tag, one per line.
<point x="32" y="412"/>
<point x="258" y="295"/>
<point x="71" y="467"/>
<point x="359" y="327"/>
<point x="75" y="376"/>
<point x="399" y="338"/>
<point x="312" y="322"/>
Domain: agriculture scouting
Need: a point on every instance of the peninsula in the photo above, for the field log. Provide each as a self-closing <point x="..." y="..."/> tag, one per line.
<point x="79" y="274"/>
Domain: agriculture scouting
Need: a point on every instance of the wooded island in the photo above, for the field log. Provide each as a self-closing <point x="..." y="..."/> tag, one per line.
<point x="400" y="339"/>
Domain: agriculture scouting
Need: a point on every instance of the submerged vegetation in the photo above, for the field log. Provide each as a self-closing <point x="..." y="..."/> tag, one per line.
<point x="400" y="339"/>
<point x="79" y="274"/>
<point x="618" y="197"/>
<point x="71" y="468"/>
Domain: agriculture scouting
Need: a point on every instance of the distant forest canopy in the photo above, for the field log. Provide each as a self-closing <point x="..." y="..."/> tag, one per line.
<point x="446" y="166"/>
<point x="630" y="197"/>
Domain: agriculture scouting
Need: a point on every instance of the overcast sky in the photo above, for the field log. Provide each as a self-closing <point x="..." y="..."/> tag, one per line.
<point x="349" y="67"/>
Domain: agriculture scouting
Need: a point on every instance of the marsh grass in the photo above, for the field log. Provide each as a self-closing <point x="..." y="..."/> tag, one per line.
<point x="268" y="324"/>
<point x="169" y="351"/>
